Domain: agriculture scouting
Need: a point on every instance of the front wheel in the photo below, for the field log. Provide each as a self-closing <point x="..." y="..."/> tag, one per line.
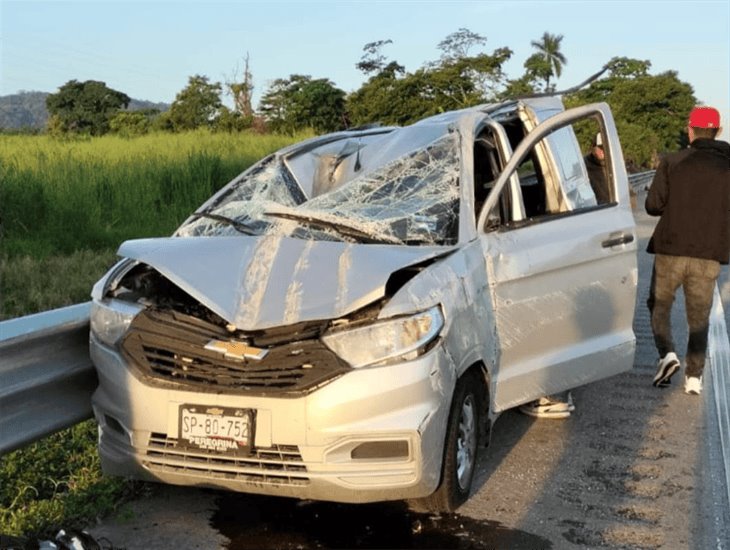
<point x="461" y="445"/>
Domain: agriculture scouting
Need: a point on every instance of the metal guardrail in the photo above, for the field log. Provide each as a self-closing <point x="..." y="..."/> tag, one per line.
<point x="46" y="375"/>
<point x="719" y="352"/>
<point x="640" y="182"/>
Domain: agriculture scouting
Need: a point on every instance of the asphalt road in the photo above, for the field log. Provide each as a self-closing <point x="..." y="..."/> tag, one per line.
<point x="634" y="467"/>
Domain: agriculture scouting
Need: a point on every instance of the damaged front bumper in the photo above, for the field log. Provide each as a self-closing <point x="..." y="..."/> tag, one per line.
<point x="369" y="435"/>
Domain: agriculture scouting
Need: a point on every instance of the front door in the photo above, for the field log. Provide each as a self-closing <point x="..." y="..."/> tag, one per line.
<point x="562" y="268"/>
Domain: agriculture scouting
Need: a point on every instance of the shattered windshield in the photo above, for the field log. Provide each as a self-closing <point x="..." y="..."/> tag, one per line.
<point x="413" y="199"/>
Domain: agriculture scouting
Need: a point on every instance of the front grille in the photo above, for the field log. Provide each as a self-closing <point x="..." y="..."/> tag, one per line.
<point x="170" y="347"/>
<point x="278" y="465"/>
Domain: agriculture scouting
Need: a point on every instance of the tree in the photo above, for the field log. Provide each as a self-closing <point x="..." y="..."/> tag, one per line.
<point x="526" y="85"/>
<point x="538" y="68"/>
<point x="299" y="102"/>
<point x="456" y="80"/>
<point x="84" y="107"/>
<point x="548" y="48"/>
<point x="197" y="105"/>
<point x="457" y="45"/>
<point x="242" y="92"/>
<point x="391" y="100"/>
<point x="373" y="61"/>
<point x="625" y="67"/>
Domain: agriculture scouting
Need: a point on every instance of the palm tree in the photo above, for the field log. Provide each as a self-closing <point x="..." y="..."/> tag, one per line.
<point x="549" y="48"/>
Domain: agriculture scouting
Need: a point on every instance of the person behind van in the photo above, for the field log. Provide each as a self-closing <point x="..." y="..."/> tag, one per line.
<point x="691" y="193"/>
<point x="596" y="165"/>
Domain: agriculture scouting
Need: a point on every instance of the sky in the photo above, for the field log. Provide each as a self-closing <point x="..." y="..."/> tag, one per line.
<point x="149" y="49"/>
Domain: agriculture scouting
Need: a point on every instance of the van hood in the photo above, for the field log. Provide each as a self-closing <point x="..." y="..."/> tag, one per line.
<point x="261" y="282"/>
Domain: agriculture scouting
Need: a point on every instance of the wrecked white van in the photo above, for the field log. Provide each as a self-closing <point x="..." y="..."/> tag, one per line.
<point x="346" y="319"/>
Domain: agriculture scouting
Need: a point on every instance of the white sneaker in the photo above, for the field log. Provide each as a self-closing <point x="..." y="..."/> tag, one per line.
<point x="666" y="367"/>
<point x="549" y="407"/>
<point x="693" y="385"/>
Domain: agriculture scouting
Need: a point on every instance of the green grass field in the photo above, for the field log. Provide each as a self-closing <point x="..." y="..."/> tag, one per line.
<point x="63" y="196"/>
<point x="65" y="206"/>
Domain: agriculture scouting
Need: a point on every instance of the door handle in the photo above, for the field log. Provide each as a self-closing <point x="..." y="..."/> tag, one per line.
<point x="625" y="238"/>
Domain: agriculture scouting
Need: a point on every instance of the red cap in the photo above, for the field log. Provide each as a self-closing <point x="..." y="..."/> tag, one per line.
<point x="704" y="117"/>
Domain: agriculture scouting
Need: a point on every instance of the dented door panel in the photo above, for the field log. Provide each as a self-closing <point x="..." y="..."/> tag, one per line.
<point x="564" y="305"/>
<point x="563" y="295"/>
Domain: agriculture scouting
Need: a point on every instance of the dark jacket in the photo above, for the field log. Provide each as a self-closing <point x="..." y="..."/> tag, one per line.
<point x="691" y="193"/>
<point x="597" y="177"/>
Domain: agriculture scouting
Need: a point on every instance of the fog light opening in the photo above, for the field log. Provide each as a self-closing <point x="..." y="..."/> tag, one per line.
<point x="372" y="450"/>
<point x="114" y="424"/>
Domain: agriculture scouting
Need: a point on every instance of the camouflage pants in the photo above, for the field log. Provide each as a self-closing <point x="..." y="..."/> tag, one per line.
<point x="697" y="277"/>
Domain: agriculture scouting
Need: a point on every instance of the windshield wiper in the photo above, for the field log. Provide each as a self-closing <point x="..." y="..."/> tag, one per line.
<point x="342" y="228"/>
<point x="238" y="226"/>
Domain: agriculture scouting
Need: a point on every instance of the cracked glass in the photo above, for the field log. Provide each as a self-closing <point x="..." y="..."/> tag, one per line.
<point x="413" y="200"/>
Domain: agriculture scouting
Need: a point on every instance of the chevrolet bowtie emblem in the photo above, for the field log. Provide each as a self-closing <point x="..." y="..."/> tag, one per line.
<point x="236" y="350"/>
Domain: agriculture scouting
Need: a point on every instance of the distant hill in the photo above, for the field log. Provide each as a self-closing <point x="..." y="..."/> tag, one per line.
<point x="23" y="110"/>
<point x="28" y="110"/>
<point x="139" y="104"/>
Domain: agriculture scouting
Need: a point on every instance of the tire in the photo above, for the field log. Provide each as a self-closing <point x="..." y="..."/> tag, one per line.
<point x="460" y="447"/>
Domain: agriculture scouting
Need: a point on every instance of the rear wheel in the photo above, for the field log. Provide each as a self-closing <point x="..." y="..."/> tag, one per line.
<point x="461" y="446"/>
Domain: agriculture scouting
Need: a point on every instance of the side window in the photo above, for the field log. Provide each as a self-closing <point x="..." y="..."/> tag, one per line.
<point x="557" y="178"/>
<point x="484" y="173"/>
<point x="487" y="168"/>
<point x="582" y="161"/>
<point x="532" y="187"/>
<point x="539" y="190"/>
<point x="567" y="171"/>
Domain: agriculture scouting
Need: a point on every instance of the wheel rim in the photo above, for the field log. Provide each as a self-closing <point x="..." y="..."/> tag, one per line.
<point x="466" y="442"/>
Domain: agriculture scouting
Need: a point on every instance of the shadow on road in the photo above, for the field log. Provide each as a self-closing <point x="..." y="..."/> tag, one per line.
<point x="268" y="522"/>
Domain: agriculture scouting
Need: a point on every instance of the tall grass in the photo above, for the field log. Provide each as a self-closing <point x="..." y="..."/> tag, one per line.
<point x="30" y="285"/>
<point x="92" y="193"/>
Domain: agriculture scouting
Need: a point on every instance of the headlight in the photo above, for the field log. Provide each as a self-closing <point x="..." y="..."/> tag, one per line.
<point x="110" y="319"/>
<point x="402" y="337"/>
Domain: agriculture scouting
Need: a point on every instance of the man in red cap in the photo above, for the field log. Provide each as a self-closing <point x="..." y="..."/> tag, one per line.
<point x="691" y="193"/>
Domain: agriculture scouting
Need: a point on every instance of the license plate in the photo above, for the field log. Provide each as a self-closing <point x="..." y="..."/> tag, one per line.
<point x="222" y="429"/>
